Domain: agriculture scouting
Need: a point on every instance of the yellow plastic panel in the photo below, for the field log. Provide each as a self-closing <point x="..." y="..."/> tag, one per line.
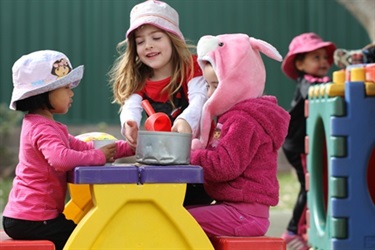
<point x="80" y="202"/>
<point x="357" y="75"/>
<point x="131" y="216"/>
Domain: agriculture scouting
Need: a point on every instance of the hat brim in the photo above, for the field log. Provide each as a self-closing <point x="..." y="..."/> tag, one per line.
<point x="157" y="22"/>
<point x="72" y="79"/>
<point x="288" y="66"/>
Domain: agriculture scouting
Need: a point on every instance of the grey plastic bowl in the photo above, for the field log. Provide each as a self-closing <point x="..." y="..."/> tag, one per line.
<point x="163" y="148"/>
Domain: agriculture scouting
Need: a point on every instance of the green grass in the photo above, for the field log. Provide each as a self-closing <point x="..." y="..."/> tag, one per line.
<point x="5" y="186"/>
<point x="288" y="182"/>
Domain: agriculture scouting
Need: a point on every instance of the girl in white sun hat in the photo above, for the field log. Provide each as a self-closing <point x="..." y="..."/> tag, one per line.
<point x="156" y="64"/>
<point x="43" y="82"/>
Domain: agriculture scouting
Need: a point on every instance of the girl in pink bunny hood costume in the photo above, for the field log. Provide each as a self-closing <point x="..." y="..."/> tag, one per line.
<point x="239" y="153"/>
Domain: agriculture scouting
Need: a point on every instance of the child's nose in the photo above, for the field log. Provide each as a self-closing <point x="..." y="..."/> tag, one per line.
<point x="148" y="43"/>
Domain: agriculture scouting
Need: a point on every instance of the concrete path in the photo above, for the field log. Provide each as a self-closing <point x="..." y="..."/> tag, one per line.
<point x="279" y="221"/>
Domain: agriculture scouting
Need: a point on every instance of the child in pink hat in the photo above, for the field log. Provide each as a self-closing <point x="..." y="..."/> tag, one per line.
<point x="241" y="132"/>
<point x="307" y="62"/>
<point x="43" y="83"/>
<point x="156" y="64"/>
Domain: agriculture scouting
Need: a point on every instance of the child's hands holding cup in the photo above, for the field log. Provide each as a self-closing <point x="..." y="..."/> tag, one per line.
<point x="108" y="147"/>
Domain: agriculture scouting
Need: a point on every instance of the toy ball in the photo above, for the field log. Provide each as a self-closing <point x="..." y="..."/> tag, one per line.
<point x="95" y="136"/>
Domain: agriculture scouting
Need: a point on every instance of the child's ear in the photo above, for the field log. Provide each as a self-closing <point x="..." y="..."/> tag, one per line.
<point x="299" y="65"/>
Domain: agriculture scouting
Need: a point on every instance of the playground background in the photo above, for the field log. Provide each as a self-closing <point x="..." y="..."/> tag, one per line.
<point x="88" y="31"/>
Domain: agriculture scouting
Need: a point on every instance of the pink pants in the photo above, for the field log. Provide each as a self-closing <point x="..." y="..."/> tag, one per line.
<point x="232" y="219"/>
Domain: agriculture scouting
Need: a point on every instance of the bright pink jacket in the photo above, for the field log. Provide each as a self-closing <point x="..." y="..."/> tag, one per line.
<point x="241" y="164"/>
<point x="47" y="152"/>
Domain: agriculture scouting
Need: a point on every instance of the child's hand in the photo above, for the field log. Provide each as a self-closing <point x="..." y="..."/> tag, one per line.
<point x="109" y="152"/>
<point x="131" y="133"/>
<point x="196" y="144"/>
<point x="181" y="126"/>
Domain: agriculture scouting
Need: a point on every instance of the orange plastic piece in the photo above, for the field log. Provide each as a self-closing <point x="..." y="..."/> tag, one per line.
<point x="370" y="72"/>
<point x="307" y="149"/>
<point x="248" y="243"/>
<point x="7" y="243"/>
<point x="156" y="121"/>
<point x="307" y="181"/>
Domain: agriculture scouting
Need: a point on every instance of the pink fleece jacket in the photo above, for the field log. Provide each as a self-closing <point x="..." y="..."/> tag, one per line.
<point x="243" y="165"/>
<point x="240" y="165"/>
<point x="47" y="152"/>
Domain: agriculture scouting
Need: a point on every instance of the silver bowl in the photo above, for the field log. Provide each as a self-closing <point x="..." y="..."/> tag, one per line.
<point x="163" y="148"/>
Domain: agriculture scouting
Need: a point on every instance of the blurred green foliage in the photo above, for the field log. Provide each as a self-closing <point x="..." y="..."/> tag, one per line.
<point x="9" y="120"/>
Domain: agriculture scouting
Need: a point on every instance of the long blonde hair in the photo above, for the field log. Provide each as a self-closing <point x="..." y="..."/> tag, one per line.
<point x="128" y="74"/>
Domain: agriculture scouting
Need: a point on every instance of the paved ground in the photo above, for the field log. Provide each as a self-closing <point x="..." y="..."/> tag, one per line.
<point x="279" y="221"/>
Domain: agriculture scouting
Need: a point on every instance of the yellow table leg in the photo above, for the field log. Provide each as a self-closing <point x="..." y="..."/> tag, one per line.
<point x="80" y="202"/>
<point x="131" y="216"/>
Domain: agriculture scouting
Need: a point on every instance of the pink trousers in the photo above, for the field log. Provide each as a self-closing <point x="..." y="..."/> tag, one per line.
<point x="232" y="219"/>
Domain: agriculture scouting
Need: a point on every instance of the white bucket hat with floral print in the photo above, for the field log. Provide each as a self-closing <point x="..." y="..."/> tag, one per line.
<point x="40" y="72"/>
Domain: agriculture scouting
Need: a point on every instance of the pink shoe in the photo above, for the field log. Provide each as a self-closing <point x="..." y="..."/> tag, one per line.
<point x="294" y="242"/>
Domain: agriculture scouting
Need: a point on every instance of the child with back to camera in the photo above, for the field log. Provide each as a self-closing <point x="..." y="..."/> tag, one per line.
<point x="239" y="153"/>
<point x="157" y="65"/>
<point x="43" y="82"/>
<point x="307" y="62"/>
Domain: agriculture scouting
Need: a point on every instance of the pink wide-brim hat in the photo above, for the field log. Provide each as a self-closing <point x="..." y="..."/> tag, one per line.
<point x="156" y="13"/>
<point x="305" y="43"/>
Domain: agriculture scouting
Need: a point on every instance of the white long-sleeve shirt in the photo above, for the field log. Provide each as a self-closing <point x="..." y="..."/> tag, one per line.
<point x="197" y="95"/>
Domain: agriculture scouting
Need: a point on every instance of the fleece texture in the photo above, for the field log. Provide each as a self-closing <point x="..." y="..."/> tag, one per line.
<point x="240" y="157"/>
<point x="242" y="166"/>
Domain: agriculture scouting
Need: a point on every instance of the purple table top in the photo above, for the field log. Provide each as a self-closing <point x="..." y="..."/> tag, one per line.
<point x="103" y="175"/>
<point x="136" y="174"/>
<point x="171" y="174"/>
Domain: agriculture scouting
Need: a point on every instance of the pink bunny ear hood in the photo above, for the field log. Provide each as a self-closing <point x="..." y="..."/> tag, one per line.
<point x="239" y="68"/>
